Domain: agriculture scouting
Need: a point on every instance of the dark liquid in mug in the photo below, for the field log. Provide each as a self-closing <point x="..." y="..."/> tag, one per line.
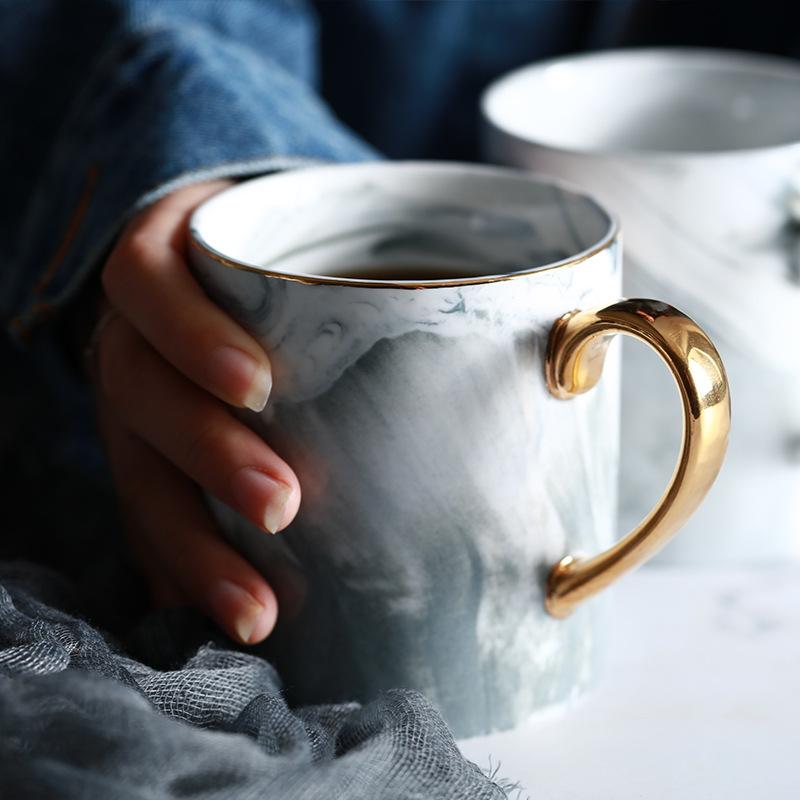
<point x="375" y="272"/>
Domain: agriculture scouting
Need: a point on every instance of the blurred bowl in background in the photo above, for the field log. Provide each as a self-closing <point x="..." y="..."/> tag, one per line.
<point x="698" y="152"/>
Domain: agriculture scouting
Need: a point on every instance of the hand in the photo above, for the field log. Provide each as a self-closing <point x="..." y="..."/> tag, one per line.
<point x="169" y="364"/>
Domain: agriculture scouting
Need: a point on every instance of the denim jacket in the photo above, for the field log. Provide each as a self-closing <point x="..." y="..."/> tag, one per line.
<point x="111" y="104"/>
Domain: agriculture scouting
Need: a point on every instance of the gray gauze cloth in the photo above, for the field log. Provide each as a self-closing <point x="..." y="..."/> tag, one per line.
<point x="81" y="719"/>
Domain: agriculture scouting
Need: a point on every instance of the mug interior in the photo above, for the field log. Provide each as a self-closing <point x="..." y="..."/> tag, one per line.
<point x="468" y="222"/>
<point x="670" y="100"/>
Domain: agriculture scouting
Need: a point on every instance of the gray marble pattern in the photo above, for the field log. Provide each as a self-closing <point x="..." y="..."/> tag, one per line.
<point x="440" y="479"/>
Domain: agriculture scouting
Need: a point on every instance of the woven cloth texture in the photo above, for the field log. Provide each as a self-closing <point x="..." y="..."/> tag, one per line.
<point x="81" y="718"/>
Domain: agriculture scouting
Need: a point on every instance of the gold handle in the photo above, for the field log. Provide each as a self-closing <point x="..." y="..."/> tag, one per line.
<point x="575" y="353"/>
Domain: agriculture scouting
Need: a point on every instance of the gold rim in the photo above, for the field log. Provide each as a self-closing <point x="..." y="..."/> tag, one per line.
<point x="610" y="239"/>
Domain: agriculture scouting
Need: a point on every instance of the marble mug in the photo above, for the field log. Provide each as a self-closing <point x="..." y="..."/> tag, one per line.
<point x="698" y="152"/>
<point x="455" y="443"/>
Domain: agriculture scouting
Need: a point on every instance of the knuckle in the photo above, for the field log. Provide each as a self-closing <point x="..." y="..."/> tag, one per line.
<point x="134" y="256"/>
<point x="205" y="446"/>
<point x="142" y="250"/>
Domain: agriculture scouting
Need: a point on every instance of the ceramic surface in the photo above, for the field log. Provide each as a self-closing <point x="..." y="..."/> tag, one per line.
<point x="700" y="168"/>
<point x="440" y="479"/>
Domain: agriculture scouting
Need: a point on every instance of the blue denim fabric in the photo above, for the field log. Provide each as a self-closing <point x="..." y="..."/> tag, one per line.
<point x="110" y="104"/>
<point x="178" y="92"/>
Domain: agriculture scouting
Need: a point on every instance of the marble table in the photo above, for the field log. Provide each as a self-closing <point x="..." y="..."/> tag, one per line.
<point x="698" y="699"/>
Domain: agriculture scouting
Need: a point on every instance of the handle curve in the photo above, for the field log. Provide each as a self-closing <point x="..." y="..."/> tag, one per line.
<point x="576" y="351"/>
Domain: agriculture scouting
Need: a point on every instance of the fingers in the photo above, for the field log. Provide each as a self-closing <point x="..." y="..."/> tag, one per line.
<point x="148" y="281"/>
<point x="174" y="539"/>
<point x="194" y="431"/>
<point x="164" y="365"/>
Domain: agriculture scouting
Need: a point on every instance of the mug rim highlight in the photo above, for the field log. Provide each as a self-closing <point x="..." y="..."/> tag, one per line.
<point x="756" y="63"/>
<point x="609" y="238"/>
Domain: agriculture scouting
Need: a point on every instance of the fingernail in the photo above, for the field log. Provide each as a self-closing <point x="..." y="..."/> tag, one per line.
<point x="231" y="366"/>
<point x="227" y="599"/>
<point x="260" y="389"/>
<point x="253" y="488"/>
<point x="276" y="509"/>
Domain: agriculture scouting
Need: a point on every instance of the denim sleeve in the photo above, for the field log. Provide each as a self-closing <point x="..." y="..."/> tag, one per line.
<point x="178" y="92"/>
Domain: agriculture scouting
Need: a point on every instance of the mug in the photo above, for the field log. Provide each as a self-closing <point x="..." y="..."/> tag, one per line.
<point x="455" y="443"/>
<point x="698" y="151"/>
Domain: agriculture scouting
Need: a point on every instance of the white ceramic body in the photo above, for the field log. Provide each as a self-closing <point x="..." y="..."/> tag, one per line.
<point x="696" y="151"/>
<point x="440" y="479"/>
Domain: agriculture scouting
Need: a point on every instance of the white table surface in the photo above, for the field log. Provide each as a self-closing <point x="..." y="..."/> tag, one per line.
<point x="699" y="697"/>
